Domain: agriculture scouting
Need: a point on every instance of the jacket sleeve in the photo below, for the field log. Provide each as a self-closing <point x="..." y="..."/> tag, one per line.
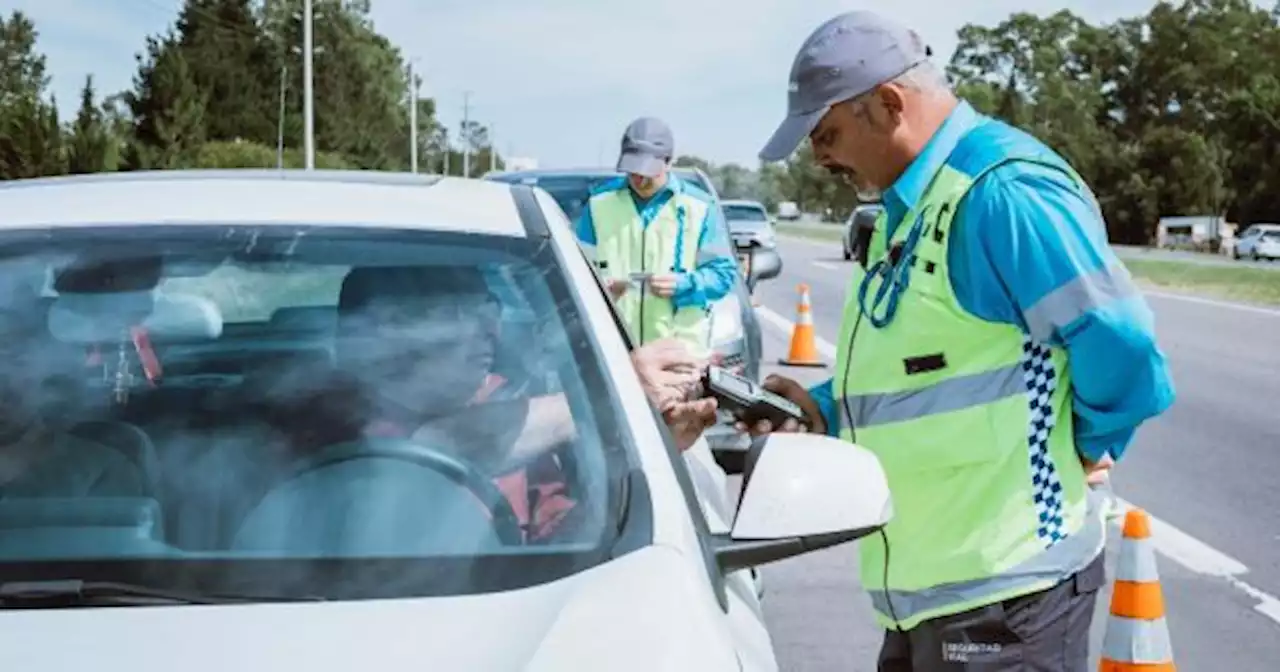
<point x="585" y="229"/>
<point x="1033" y="252"/>
<point x="824" y="396"/>
<point x="717" y="269"/>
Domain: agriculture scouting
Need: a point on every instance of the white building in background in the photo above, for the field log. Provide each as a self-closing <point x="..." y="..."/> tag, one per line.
<point x="520" y="163"/>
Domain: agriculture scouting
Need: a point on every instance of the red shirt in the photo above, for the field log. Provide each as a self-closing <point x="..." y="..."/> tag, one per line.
<point x="538" y="488"/>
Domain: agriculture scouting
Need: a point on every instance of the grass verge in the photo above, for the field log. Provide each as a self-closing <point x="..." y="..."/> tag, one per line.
<point x="825" y="232"/>
<point x="1249" y="285"/>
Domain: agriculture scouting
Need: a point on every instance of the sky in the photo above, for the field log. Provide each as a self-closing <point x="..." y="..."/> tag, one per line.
<point x="558" y="80"/>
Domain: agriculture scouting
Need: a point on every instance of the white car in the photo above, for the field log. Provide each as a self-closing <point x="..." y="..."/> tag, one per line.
<point x="1259" y="241"/>
<point x="287" y="420"/>
<point x="749" y="224"/>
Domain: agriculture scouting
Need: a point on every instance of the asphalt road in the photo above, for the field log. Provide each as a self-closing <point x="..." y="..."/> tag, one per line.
<point x="1207" y="471"/>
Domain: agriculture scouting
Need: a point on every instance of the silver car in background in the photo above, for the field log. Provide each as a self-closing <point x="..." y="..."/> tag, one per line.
<point x="749" y="224"/>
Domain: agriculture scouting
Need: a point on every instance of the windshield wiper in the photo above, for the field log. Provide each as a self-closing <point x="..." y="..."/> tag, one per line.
<point x="75" y="592"/>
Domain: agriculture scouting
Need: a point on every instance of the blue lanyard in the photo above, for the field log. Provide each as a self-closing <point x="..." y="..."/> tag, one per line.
<point x="895" y="279"/>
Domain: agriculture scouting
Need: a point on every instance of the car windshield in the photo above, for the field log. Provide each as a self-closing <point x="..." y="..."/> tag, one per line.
<point x="299" y="411"/>
<point x="749" y="213"/>
<point x="1271" y="235"/>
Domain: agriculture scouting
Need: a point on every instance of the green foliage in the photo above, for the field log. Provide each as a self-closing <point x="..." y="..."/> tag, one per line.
<point x="90" y="148"/>
<point x="244" y="154"/>
<point x="221" y="88"/>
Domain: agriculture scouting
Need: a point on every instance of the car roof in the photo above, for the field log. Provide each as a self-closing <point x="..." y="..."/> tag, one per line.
<point x="596" y="172"/>
<point x="265" y="197"/>
<point x="742" y="201"/>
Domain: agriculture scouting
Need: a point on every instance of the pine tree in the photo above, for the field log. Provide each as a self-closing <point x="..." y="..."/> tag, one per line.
<point x="89" y="145"/>
<point x="168" y="108"/>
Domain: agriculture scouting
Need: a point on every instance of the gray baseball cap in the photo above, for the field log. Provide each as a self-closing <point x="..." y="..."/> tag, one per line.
<point x="647" y="145"/>
<point x="845" y="57"/>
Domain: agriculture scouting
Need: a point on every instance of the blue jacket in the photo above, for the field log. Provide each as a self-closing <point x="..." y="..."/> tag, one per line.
<point x="1031" y="250"/>
<point x="717" y="268"/>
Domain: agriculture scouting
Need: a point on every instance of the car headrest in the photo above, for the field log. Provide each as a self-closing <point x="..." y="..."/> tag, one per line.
<point x="365" y="287"/>
<point x="102" y="318"/>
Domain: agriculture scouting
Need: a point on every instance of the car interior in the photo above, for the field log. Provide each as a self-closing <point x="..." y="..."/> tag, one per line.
<point x="228" y="420"/>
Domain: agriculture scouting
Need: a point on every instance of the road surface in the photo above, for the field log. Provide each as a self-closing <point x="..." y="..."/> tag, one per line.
<point x="1208" y="471"/>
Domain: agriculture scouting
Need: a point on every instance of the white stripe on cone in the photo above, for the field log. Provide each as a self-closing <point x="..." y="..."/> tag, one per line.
<point x="1133" y="641"/>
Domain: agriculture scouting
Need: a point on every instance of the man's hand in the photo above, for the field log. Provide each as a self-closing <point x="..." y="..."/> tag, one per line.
<point x="1096" y="473"/>
<point x="663" y="286"/>
<point x="617" y="287"/>
<point x="796" y="393"/>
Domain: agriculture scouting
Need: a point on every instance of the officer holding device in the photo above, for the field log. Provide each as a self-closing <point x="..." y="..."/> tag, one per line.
<point x="995" y="356"/>
<point x="656" y="242"/>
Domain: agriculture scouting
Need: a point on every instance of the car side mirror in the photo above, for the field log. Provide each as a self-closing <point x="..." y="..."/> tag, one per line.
<point x="766" y="264"/>
<point x="802" y="493"/>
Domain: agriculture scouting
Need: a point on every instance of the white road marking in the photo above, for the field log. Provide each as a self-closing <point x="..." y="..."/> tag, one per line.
<point x="1215" y="303"/>
<point x="825" y="265"/>
<point x="1172" y="542"/>
<point x="825" y="348"/>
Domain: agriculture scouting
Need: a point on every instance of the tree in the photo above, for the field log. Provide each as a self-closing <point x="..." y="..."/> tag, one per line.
<point x="233" y="65"/>
<point x="30" y="135"/>
<point x="89" y="145"/>
<point x="168" y="108"/>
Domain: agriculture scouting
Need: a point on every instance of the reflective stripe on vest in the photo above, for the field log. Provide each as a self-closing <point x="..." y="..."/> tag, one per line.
<point x="668" y="244"/>
<point x="972" y="422"/>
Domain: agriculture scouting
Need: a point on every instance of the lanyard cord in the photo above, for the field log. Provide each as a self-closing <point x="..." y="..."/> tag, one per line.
<point x="896" y="276"/>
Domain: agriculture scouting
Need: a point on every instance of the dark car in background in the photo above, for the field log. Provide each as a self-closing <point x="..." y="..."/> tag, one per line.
<point x="857" y="230"/>
<point x="735" y="329"/>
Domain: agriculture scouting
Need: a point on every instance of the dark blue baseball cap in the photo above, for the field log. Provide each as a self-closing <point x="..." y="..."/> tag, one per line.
<point x="844" y="58"/>
<point x="647" y="145"/>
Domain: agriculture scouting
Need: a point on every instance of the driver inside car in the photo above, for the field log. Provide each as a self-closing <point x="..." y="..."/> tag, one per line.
<point x="422" y="342"/>
<point x="38" y="458"/>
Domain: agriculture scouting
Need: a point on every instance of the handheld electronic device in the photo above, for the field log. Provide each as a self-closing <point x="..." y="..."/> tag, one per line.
<point x="748" y="401"/>
<point x="639" y="279"/>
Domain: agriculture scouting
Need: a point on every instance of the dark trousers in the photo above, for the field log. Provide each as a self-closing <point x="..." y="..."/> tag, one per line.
<point x="1041" y="632"/>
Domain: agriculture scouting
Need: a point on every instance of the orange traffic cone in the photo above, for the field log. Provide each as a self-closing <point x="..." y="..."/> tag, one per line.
<point x="804" y="350"/>
<point x="1137" y="638"/>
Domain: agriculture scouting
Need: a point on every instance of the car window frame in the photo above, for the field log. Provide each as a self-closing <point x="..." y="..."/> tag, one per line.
<point x="698" y="517"/>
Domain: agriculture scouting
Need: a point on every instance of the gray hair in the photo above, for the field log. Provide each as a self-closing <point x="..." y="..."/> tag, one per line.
<point x="924" y="77"/>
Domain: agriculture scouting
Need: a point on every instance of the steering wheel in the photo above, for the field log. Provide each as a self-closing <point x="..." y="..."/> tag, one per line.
<point x="505" y="522"/>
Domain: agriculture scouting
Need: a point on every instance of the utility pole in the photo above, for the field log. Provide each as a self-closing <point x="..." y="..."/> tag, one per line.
<point x="309" y="91"/>
<point x="284" y="78"/>
<point x="413" y="119"/>
<point x="466" y="134"/>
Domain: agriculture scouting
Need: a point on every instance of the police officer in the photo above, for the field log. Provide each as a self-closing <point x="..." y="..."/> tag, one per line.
<point x="658" y="242"/>
<point x="993" y="354"/>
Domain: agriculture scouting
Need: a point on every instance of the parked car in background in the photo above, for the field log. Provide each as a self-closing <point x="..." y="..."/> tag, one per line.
<point x="1259" y="241"/>
<point x="735" y="329"/>
<point x="788" y="210"/>
<point x="858" y="228"/>
<point x="284" y="310"/>
<point x="750" y="224"/>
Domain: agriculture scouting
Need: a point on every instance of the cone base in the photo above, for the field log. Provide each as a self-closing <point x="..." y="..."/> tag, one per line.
<point x="817" y="364"/>
<point x="1114" y="666"/>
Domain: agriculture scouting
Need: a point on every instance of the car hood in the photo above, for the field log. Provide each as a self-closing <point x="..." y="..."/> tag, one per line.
<point x="641" y="612"/>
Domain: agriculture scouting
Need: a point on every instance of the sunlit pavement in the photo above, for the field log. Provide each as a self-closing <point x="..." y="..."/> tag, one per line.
<point x="1207" y="471"/>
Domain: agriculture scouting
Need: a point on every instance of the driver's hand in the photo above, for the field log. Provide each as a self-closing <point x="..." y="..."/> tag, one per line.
<point x="669" y="372"/>
<point x="796" y="393"/>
